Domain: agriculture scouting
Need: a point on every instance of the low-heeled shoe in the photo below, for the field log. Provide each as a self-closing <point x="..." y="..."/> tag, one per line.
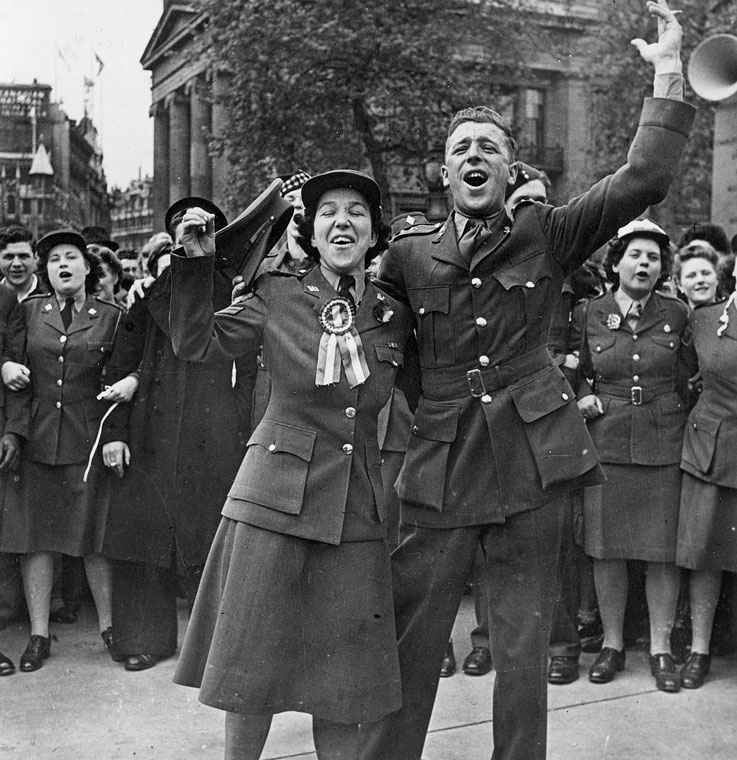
<point x="140" y="661"/>
<point x="38" y="649"/>
<point x="609" y="662"/>
<point x="6" y="665"/>
<point x="663" y="668"/>
<point x="478" y="662"/>
<point x="109" y="641"/>
<point x="562" y="670"/>
<point x="695" y="670"/>
<point x="448" y="666"/>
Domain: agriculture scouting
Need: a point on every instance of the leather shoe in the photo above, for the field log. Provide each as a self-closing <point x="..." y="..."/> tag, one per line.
<point x="448" y="666"/>
<point x="695" y="670"/>
<point x="65" y="615"/>
<point x="6" y="665"/>
<point x="609" y="662"/>
<point x="562" y="670"/>
<point x="478" y="662"/>
<point x="38" y="649"/>
<point x="666" y="676"/>
<point x="108" y="640"/>
<point x="140" y="661"/>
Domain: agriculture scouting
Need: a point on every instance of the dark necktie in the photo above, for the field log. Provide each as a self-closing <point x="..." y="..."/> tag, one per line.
<point x="634" y="313"/>
<point x="67" y="313"/>
<point x="345" y="283"/>
<point x="473" y="236"/>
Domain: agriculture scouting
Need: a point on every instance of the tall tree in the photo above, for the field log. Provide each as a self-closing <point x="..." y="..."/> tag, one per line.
<point x="317" y="84"/>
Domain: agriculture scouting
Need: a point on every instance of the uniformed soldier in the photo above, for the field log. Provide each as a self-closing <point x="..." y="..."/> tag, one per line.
<point x="497" y="441"/>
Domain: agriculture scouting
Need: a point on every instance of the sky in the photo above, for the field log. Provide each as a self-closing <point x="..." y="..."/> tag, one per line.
<point x="62" y="42"/>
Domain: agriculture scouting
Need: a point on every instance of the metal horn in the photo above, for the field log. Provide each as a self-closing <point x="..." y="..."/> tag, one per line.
<point x="712" y="68"/>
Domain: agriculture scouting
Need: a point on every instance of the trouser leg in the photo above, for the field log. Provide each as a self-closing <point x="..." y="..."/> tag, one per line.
<point x="522" y="558"/>
<point x="144" y="609"/>
<point x="429" y="572"/>
<point x="564" y="640"/>
<point x="480" y="634"/>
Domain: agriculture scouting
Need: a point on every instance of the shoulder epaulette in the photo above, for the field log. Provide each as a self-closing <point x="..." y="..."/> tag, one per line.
<point x="418" y="229"/>
<point x="109" y="303"/>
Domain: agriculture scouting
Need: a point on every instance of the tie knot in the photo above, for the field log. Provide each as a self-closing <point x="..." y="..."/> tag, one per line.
<point x="635" y="309"/>
<point x="68" y="303"/>
<point x="346" y="282"/>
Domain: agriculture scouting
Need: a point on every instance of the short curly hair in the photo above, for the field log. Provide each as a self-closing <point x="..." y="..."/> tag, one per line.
<point x="695" y="250"/>
<point x="483" y="115"/>
<point x="616" y="249"/>
<point x="90" y="282"/>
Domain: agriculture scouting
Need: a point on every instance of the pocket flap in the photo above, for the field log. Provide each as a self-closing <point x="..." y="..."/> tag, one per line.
<point x="704" y="424"/>
<point x="435" y="422"/>
<point x="425" y="300"/>
<point x="666" y="341"/>
<point x="601" y="343"/>
<point x="391" y="354"/>
<point x="541" y="395"/>
<point x="278" y="437"/>
<point x="524" y="274"/>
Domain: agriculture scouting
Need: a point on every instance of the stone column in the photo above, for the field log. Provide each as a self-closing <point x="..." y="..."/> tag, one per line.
<point x="199" y="155"/>
<point x="179" y="141"/>
<point x="219" y="130"/>
<point x="160" y="190"/>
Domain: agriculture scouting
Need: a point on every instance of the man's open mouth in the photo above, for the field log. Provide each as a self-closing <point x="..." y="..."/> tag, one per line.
<point x="475" y="177"/>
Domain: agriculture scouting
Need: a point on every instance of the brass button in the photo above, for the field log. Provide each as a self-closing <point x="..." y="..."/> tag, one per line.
<point x="272" y="447"/>
<point x="486" y="399"/>
<point x="58" y="404"/>
<point x="636" y="357"/>
<point x="421" y="310"/>
<point x="350" y="412"/>
<point x="529" y="284"/>
<point x="481" y="322"/>
<point x="58" y="382"/>
<point x="63" y="339"/>
<point x="635" y="378"/>
<point x="564" y="396"/>
<point x="476" y="282"/>
<point x="634" y="337"/>
<point x="61" y="359"/>
<point x="484" y="361"/>
<point x="347" y="449"/>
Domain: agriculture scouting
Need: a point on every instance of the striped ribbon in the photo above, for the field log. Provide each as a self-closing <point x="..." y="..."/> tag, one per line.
<point x="340" y="345"/>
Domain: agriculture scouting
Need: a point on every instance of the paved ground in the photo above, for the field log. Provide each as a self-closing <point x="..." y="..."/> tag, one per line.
<point x="82" y="706"/>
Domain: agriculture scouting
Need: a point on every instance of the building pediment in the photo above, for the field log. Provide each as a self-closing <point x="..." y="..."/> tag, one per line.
<point x="174" y="26"/>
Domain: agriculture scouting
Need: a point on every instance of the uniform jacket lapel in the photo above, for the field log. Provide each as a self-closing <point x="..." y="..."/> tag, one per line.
<point x="83" y="319"/>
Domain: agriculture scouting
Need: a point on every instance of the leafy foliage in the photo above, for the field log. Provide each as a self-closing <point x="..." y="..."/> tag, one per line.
<point x="619" y="82"/>
<point x="318" y="84"/>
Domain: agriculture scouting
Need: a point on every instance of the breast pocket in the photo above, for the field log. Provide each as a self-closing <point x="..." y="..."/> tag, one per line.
<point x="274" y="471"/>
<point x="389" y="359"/>
<point x="435" y="335"/>
<point x="525" y="291"/>
<point x="100" y="350"/>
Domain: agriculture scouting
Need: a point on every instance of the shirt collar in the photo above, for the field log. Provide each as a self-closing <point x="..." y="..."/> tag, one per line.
<point x="333" y="278"/>
<point x="22" y="296"/>
<point x="625" y="302"/>
<point x="461" y="221"/>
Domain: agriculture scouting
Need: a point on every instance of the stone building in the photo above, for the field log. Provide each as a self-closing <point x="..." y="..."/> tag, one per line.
<point x="51" y="171"/>
<point x="132" y="214"/>
<point x="549" y="109"/>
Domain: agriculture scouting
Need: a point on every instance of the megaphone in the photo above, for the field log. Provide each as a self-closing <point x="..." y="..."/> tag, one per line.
<point x="712" y="68"/>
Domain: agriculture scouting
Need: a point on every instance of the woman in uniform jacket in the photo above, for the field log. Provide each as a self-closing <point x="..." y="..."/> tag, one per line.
<point x="50" y="507"/>
<point x="707" y="540"/>
<point x="295" y="608"/>
<point x="633" y="344"/>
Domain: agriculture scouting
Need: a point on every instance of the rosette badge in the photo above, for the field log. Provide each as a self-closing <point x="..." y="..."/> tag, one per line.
<point x="340" y="344"/>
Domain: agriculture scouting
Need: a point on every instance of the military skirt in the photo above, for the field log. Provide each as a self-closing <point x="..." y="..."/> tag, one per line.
<point x="50" y="508"/>
<point x="634" y="515"/>
<point x="282" y="623"/>
<point x="707" y="526"/>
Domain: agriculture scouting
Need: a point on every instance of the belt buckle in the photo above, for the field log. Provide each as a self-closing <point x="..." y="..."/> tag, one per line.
<point x="475" y="383"/>
<point x="636" y="395"/>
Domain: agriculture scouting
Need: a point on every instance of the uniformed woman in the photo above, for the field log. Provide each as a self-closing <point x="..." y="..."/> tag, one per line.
<point x="634" y="355"/>
<point x="295" y="611"/>
<point x="49" y="507"/>
<point x="707" y="526"/>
